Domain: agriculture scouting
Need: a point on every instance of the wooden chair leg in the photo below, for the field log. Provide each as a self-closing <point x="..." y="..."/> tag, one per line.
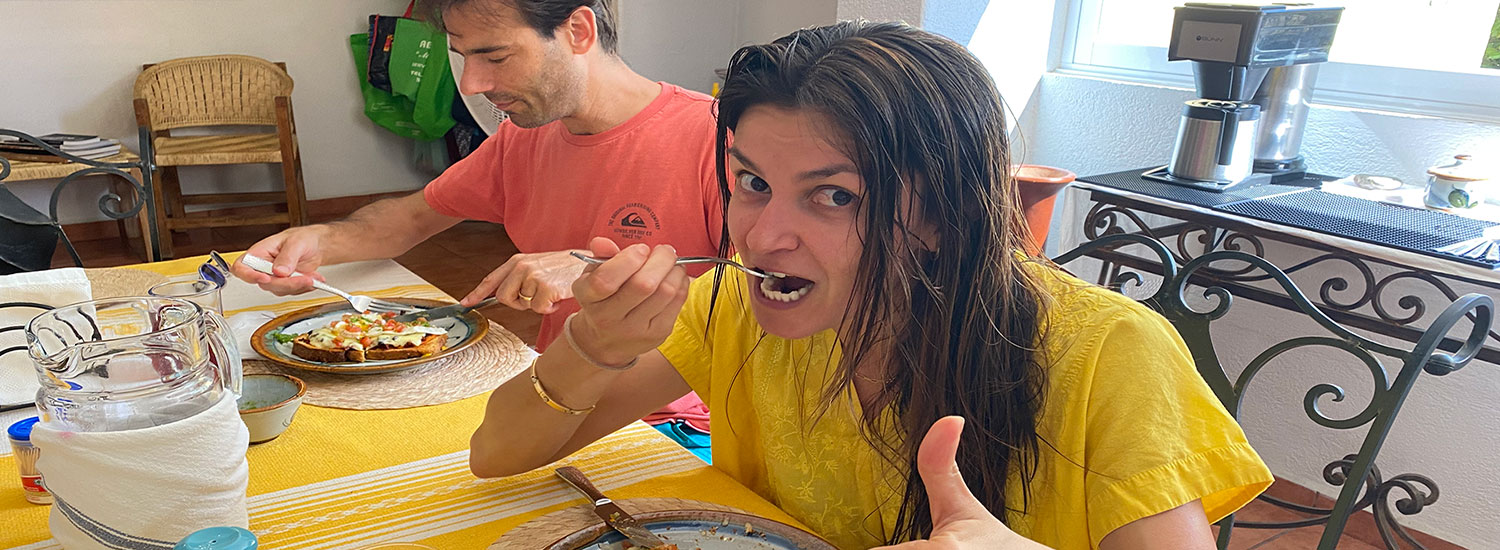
<point x="173" y="190"/>
<point x="291" y="162"/>
<point x="163" y="221"/>
<point x="296" y="197"/>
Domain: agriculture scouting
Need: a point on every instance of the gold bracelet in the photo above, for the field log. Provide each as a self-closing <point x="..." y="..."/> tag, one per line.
<point x="559" y="407"/>
<point x="568" y="335"/>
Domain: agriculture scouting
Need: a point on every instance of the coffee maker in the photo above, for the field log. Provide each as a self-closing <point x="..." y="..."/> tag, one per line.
<point x="1254" y="67"/>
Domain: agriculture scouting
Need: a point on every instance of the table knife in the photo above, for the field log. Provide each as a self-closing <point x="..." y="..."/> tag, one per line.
<point x="610" y="512"/>
<point x="443" y="311"/>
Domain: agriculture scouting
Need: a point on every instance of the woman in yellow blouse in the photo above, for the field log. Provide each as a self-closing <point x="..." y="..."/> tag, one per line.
<point x="911" y="378"/>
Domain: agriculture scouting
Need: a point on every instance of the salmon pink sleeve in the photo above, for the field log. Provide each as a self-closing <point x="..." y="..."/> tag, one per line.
<point x="472" y="188"/>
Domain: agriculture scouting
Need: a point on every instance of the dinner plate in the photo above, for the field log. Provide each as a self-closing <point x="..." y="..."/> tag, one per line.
<point x="700" y="529"/>
<point x="463" y="331"/>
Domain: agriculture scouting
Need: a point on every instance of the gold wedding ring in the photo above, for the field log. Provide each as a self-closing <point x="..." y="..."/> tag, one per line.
<point x="524" y="297"/>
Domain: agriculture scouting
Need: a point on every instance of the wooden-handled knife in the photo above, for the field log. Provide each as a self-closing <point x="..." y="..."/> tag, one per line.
<point x="610" y="512"/>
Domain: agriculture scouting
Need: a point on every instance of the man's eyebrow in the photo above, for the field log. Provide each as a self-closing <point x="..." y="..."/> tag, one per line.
<point x="479" y="51"/>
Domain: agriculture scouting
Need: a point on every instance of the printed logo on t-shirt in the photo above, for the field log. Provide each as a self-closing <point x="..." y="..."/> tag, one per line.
<point x="634" y="221"/>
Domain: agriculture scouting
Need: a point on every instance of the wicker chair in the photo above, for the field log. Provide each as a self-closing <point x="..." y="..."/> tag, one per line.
<point x="220" y="90"/>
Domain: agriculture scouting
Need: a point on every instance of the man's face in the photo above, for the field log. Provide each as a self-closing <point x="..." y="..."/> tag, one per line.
<point x="535" y="80"/>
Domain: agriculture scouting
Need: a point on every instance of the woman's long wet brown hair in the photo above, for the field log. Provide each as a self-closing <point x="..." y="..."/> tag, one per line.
<point x="957" y="318"/>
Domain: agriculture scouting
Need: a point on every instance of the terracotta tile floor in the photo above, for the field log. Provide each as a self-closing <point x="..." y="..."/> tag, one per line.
<point x="1305" y="538"/>
<point x="457" y="259"/>
<point x="454" y="261"/>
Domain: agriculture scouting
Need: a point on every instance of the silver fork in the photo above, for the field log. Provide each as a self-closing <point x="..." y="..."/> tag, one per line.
<point x="359" y="302"/>
<point x="688" y="260"/>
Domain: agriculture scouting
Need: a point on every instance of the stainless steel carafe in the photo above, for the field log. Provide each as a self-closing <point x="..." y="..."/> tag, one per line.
<point x="1215" y="142"/>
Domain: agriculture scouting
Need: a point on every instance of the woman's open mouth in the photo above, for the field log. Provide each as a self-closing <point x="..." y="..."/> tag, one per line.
<point x="784" y="288"/>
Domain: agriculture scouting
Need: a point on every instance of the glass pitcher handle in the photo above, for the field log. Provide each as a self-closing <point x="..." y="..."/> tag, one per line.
<point x="226" y="350"/>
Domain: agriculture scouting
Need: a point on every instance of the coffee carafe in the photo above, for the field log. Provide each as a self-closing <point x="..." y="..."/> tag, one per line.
<point x="1254" y="68"/>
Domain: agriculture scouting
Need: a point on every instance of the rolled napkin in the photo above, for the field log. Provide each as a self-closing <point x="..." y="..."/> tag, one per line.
<point x="146" y="488"/>
<point x="54" y="287"/>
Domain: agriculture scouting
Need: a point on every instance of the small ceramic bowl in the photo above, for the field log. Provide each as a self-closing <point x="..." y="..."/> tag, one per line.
<point x="268" y="404"/>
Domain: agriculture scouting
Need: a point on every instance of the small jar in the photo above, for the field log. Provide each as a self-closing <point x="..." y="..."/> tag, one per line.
<point x="26" y="455"/>
<point x="1458" y="185"/>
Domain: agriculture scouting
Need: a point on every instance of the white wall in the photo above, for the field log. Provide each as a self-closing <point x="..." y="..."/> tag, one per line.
<point x="682" y="42"/>
<point x="1446" y="429"/>
<point x="1013" y="41"/>
<point x="909" y="11"/>
<point x="766" y="20"/>
<point x="70" y="67"/>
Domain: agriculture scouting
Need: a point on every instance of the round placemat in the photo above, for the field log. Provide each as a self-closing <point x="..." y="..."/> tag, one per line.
<point x="543" y="531"/>
<point x="478" y="369"/>
<point x="114" y="282"/>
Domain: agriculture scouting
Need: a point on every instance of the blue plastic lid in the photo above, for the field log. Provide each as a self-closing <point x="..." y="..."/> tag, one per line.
<point x="219" y="538"/>
<point x="21" y="431"/>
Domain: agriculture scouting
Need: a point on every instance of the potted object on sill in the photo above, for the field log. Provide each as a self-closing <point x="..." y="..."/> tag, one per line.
<point x="1039" y="186"/>
<point x="1463" y="183"/>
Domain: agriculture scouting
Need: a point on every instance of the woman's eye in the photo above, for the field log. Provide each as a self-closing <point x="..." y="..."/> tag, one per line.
<point x="752" y="183"/>
<point x="833" y="196"/>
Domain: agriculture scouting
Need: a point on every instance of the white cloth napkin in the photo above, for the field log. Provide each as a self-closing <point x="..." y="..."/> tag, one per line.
<point x="146" y="488"/>
<point x="55" y="287"/>
<point x="243" y="326"/>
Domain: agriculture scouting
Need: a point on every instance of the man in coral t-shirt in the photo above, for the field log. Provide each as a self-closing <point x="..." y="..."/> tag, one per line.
<point x="590" y="149"/>
<point x="647" y="180"/>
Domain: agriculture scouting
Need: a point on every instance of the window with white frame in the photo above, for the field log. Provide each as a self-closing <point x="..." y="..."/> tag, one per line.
<point x="1438" y="57"/>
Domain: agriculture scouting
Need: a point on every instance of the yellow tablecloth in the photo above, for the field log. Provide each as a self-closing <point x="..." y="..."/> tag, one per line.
<point x="341" y="479"/>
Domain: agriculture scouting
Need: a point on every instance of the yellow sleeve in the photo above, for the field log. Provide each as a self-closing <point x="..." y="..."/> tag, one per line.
<point x="1157" y="436"/>
<point x="687" y="348"/>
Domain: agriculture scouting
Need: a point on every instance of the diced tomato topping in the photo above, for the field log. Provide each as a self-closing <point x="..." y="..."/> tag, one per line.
<point x="366" y="341"/>
<point x="389" y="314"/>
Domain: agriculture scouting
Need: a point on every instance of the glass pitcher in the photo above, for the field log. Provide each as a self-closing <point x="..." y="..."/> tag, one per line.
<point x="127" y="363"/>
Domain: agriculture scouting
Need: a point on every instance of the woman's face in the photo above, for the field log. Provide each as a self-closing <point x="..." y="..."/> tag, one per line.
<point x="795" y="200"/>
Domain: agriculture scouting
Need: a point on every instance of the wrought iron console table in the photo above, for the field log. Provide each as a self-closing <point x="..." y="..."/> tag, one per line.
<point x="1361" y="284"/>
<point x="111" y="204"/>
<point x="1137" y="235"/>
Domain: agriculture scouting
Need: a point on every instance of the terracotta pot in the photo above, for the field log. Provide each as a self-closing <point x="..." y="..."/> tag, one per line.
<point x="1039" y="186"/>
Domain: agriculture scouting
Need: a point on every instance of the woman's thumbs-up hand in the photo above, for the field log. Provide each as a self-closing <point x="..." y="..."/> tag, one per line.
<point x="959" y="521"/>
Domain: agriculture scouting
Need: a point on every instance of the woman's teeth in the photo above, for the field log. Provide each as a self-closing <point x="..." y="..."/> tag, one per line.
<point x="770" y="287"/>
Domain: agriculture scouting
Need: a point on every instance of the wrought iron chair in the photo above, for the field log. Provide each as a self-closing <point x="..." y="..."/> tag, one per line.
<point x="30" y="236"/>
<point x="1196" y="277"/>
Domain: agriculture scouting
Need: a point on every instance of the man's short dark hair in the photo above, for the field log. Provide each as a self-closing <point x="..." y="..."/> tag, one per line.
<point x="543" y="16"/>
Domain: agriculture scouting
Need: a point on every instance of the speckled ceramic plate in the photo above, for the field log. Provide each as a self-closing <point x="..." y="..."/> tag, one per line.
<point x="463" y="331"/>
<point x="700" y="529"/>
